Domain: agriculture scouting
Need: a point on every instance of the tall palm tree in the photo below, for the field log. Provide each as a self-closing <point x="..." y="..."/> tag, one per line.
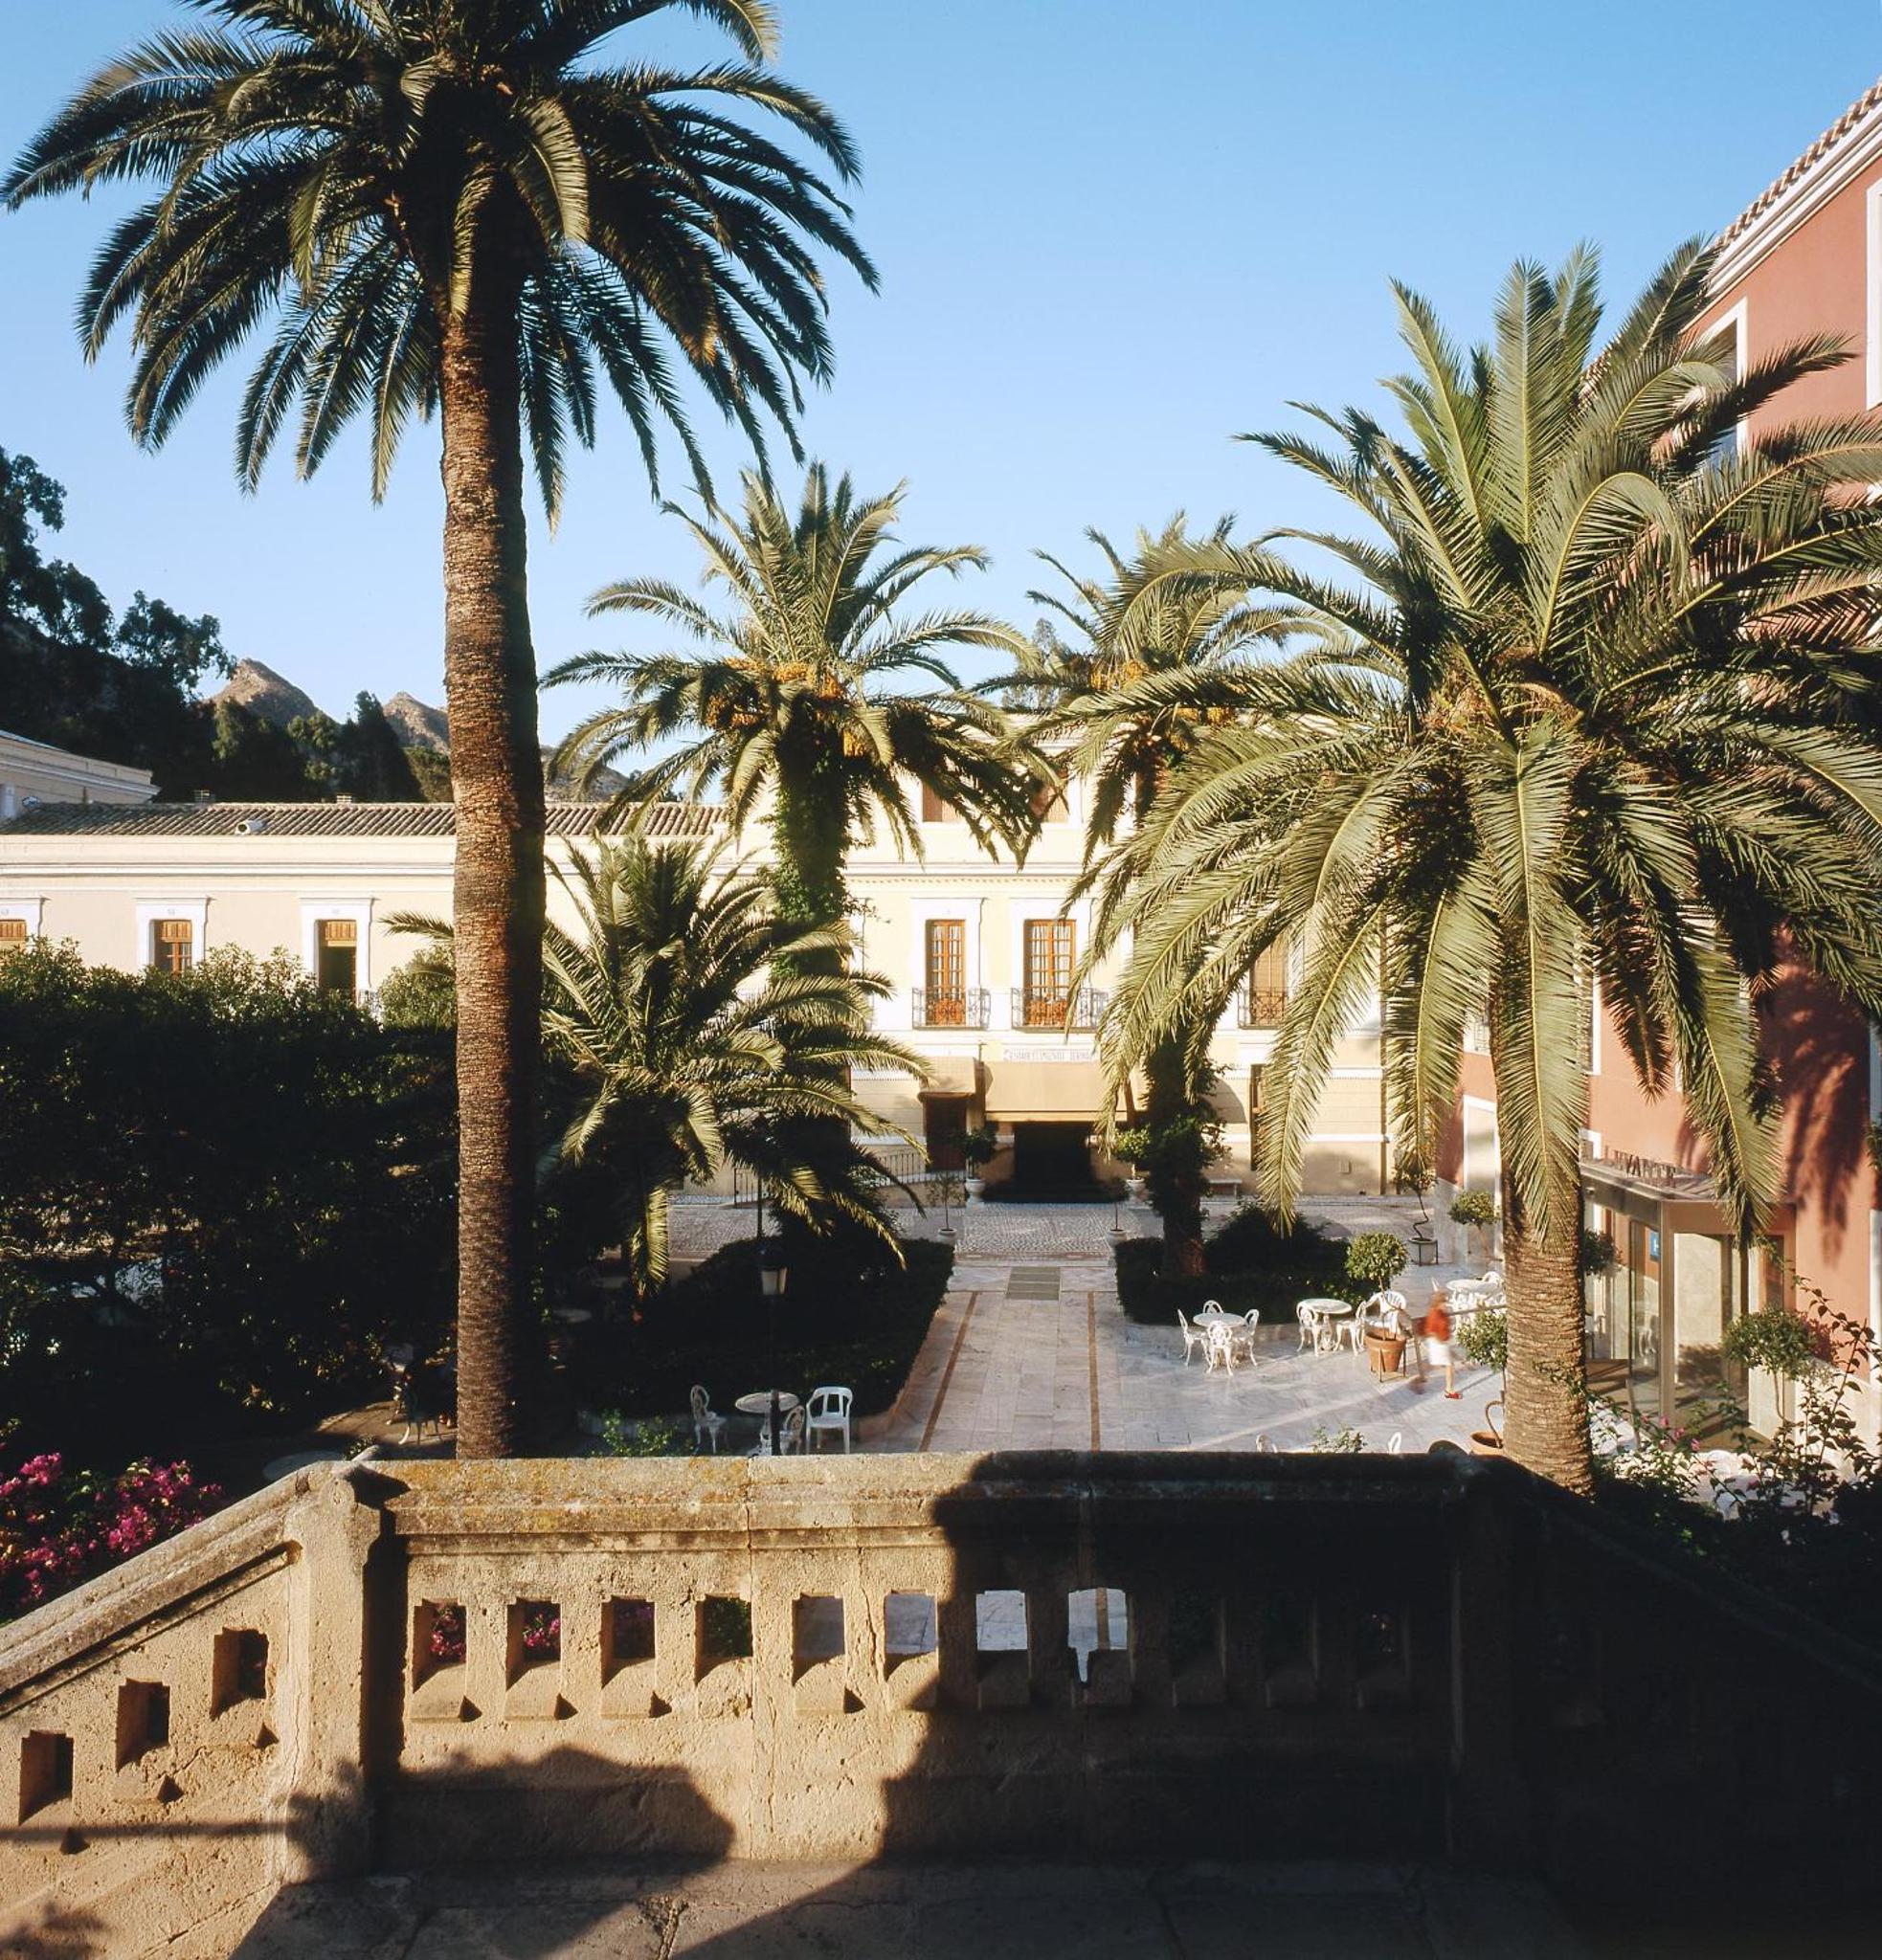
<point x="1602" y="710"/>
<point x="472" y="206"/>
<point x="790" y="693"/>
<point x="1157" y="641"/>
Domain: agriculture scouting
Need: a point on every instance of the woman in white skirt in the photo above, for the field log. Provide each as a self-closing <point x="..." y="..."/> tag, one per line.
<point x="1437" y="1342"/>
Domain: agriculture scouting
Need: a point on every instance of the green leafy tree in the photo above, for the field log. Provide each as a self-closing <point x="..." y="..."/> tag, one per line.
<point x="255" y="762"/>
<point x="791" y="694"/>
<point x="219" y="1190"/>
<point x="1156" y="641"/>
<point x="1599" y="706"/>
<point x="369" y="762"/>
<point x="56" y="596"/>
<point x="477" y="208"/>
<point x="156" y="636"/>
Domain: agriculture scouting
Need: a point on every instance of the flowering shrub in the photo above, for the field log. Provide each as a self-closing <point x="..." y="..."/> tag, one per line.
<point x="542" y="1631"/>
<point x="59" y="1527"/>
<point x="445" y="1641"/>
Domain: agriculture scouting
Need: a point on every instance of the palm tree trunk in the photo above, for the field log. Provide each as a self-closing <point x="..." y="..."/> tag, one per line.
<point x="498" y="890"/>
<point x="810" y="830"/>
<point x="809" y="824"/>
<point x="1546" y="1401"/>
<point x="1176" y="1189"/>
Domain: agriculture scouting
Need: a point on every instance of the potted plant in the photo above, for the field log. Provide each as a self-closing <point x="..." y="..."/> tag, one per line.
<point x="1131" y="1144"/>
<point x="978" y="1147"/>
<point x="1373" y="1260"/>
<point x="1597" y="1256"/>
<point x="1476" y="1212"/>
<point x="1376" y="1258"/>
<point x="1483" y="1338"/>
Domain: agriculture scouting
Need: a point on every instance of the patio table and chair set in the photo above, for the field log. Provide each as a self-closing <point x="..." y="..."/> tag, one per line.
<point x="800" y="1423"/>
<point x="1382" y="1326"/>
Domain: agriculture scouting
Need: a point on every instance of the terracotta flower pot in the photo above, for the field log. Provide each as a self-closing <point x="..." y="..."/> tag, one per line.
<point x="1386" y="1352"/>
<point x="1488" y="1442"/>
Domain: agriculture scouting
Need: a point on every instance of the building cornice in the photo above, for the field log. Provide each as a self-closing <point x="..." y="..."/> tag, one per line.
<point x="1847" y="147"/>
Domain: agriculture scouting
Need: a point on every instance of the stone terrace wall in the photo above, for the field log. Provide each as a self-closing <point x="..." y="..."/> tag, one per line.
<point x="428" y="1664"/>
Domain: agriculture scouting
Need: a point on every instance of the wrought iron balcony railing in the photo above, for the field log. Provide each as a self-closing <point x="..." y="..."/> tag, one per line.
<point x="1059" y="1008"/>
<point x="966" y="1008"/>
<point x="1259" y="1007"/>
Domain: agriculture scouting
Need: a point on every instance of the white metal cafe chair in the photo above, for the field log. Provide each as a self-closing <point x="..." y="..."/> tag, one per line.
<point x="1193" y="1337"/>
<point x="829" y="1415"/>
<point x="1220" y="1348"/>
<point x="708" y="1422"/>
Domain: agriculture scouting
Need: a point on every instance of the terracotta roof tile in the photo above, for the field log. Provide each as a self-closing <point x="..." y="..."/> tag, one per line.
<point x="666" y="821"/>
<point x="1831" y="136"/>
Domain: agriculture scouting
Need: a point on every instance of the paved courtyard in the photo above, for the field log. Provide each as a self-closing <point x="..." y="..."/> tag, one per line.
<point x="1031" y="1351"/>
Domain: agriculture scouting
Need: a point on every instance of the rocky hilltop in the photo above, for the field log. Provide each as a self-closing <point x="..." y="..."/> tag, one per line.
<point x="264" y="693"/>
<point x="418" y="724"/>
<point x="422" y="730"/>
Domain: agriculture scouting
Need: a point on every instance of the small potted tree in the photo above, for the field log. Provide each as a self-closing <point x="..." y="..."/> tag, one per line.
<point x="978" y="1147"/>
<point x="1483" y="1339"/>
<point x="1476" y="1212"/>
<point x="1374" y="1261"/>
<point x="1130" y="1145"/>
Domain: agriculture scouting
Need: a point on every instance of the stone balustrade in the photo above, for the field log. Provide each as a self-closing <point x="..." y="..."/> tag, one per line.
<point x="395" y="1665"/>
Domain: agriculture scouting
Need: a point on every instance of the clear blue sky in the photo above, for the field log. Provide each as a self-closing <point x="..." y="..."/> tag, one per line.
<point x="1111" y="234"/>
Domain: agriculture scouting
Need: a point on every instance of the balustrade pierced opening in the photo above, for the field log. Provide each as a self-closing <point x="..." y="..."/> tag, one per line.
<point x="725" y="1632"/>
<point x="816" y="1629"/>
<point x="438" y="1639"/>
<point x="1000" y="1622"/>
<point x="142" y="1720"/>
<point x="238" y="1670"/>
<point x="910" y="1624"/>
<point x="1097" y="1622"/>
<point x="535" y="1637"/>
<point x="45" y="1773"/>
<point x="627" y="1635"/>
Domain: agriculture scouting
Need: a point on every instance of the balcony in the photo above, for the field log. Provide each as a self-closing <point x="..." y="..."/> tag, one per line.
<point x="1060" y="1007"/>
<point x="1260" y="1006"/>
<point x="386" y="1665"/>
<point x="968" y="1007"/>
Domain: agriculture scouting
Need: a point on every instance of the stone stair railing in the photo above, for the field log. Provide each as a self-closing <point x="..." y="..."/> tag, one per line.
<point x="389" y="1665"/>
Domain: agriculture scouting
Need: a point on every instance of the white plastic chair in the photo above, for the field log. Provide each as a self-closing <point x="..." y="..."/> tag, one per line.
<point x="1193" y="1337"/>
<point x="829" y="1415"/>
<point x="706" y="1422"/>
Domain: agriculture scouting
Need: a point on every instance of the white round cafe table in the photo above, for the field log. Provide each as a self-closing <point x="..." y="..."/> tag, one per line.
<point x="1328" y="1309"/>
<point x="759" y="1402"/>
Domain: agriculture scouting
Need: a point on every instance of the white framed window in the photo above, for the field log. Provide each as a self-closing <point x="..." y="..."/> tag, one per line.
<point x="183" y="941"/>
<point x="1873" y="294"/>
<point x="929" y="920"/>
<point x="325" y="926"/>
<point x="1032" y="942"/>
<point x="19" y="922"/>
<point x="1732" y="325"/>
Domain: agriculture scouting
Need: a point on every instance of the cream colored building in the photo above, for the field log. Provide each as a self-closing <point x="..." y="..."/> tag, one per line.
<point x="35" y="774"/>
<point x="980" y="954"/>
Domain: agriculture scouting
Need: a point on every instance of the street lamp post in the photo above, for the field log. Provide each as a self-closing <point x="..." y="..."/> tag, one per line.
<point x="772" y="1274"/>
